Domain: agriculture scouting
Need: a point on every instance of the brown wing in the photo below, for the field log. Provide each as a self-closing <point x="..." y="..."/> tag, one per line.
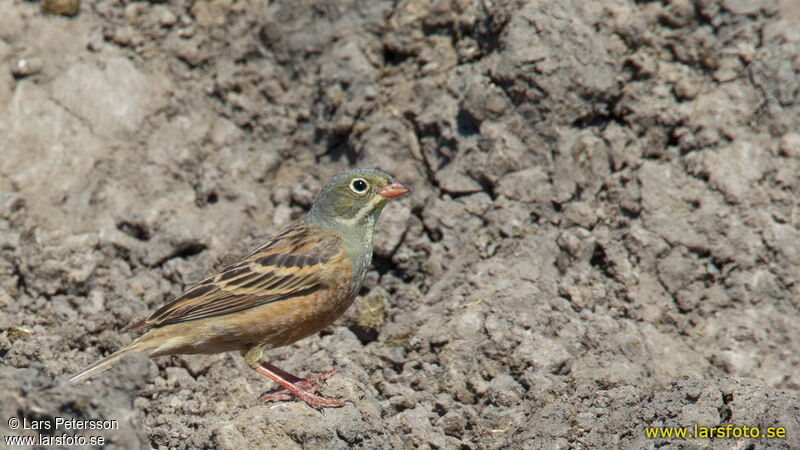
<point x="287" y="266"/>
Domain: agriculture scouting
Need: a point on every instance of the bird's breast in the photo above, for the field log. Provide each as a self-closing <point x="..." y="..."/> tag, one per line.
<point x="285" y="322"/>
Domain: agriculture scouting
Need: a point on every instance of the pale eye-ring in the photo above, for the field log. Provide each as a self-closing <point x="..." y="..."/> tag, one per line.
<point x="359" y="186"/>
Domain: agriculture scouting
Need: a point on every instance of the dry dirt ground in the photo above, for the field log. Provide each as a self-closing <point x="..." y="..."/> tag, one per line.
<point x="604" y="236"/>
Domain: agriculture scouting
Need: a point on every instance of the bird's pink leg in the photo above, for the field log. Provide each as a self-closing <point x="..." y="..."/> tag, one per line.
<point x="295" y="387"/>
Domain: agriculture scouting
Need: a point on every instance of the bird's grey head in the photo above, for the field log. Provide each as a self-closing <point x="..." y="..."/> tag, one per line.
<point x="353" y="200"/>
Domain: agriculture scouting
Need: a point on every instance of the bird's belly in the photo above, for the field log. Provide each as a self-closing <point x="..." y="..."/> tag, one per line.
<point x="271" y="325"/>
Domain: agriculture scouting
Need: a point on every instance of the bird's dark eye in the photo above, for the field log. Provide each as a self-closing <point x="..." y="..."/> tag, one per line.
<point x="359" y="186"/>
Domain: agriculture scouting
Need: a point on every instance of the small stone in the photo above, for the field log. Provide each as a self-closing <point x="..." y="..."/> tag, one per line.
<point x="679" y="13"/>
<point x="61" y="7"/>
<point x="198" y="365"/>
<point x="578" y="243"/>
<point x="370" y="316"/>
<point x="685" y="89"/>
<point x="5" y="298"/>
<point x="164" y="16"/>
<point x="393" y="228"/>
<point x="530" y="186"/>
<point x="580" y="214"/>
<point x="95" y="42"/>
<point x="178" y="376"/>
<point x="124" y="35"/>
<point x="186" y="32"/>
<point x="790" y="145"/>
<point x="467" y="49"/>
<point x="453" y="423"/>
<point x="25" y="67"/>
<point x="189" y="52"/>
<point x="303" y="192"/>
<point x="175" y="403"/>
<point x="728" y="70"/>
<point x="785" y="240"/>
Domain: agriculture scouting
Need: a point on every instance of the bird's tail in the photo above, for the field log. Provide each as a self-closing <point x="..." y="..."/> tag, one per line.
<point x="105" y="363"/>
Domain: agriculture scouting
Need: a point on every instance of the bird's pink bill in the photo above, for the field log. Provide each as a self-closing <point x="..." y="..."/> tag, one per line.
<point x="395" y="190"/>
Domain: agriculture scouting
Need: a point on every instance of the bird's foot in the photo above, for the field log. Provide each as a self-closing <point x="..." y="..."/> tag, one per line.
<point x="310" y="384"/>
<point x="294" y="387"/>
<point x="308" y="396"/>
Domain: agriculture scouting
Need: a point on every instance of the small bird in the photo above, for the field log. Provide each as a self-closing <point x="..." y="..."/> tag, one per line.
<point x="294" y="285"/>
